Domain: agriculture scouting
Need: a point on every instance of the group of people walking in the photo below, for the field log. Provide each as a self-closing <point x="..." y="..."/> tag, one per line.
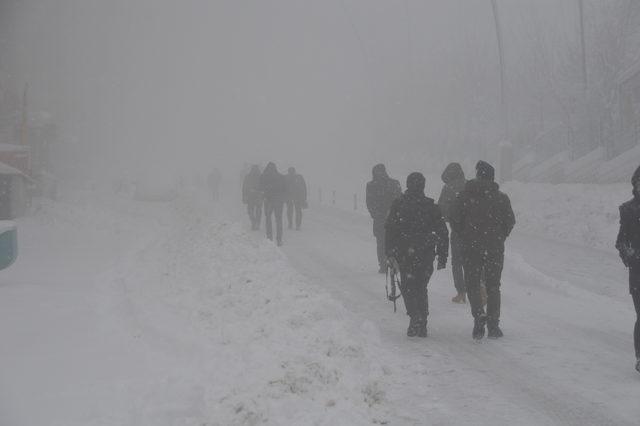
<point x="271" y="190"/>
<point x="411" y="232"/>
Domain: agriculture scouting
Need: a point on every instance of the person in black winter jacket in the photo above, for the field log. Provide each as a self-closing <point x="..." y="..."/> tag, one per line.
<point x="454" y="183"/>
<point x="274" y="189"/>
<point x="415" y="234"/>
<point x="483" y="218"/>
<point x="252" y="196"/>
<point x="296" y="197"/>
<point x="628" y="245"/>
<point x="381" y="192"/>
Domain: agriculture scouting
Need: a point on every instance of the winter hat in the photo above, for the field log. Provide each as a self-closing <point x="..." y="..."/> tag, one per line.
<point x="415" y="182"/>
<point x="485" y="171"/>
<point x="271" y="168"/>
<point x="452" y="172"/>
<point x="379" y="170"/>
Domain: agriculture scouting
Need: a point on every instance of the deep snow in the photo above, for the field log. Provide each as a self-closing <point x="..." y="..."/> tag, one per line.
<point x="127" y="313"/>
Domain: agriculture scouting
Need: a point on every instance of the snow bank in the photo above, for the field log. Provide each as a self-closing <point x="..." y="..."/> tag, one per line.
<point x="260" y="345"/>
<point x="583" y="214"/>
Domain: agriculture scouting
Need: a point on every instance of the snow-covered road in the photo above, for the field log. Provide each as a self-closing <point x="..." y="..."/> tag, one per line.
<point x="566" y="357"/>
<point x="123" y="313"/>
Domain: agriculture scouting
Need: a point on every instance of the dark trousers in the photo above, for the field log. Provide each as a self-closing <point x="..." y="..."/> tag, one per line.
<point x="414" y="290"/>
<point x="291" y="207"/>
<point x="457" y="262"/>
<point x="254" y="209"/>
<point x="487" y="263"/>
<point x="634" y="289"/>
<point x="271" y="208"/>
<point x="378" y="232"/>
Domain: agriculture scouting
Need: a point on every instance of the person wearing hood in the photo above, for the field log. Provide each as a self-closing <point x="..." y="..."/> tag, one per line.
<point x="381" y="192"/>
<point x="296" y="197"/>
<point x="415" y="234"/>
<point x="628" y="245"/>
<point x="454" y="183"/>
<point x="483" y="218"/>
<point x="274" y="188"/>
<point x="252" y="196"/>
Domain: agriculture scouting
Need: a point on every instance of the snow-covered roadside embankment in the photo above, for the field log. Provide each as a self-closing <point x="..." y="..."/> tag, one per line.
<point x="582" y="214"/>
<point x="263" y="345"/>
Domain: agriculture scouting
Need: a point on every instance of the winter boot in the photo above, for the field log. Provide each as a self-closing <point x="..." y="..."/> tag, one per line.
<point x="478" y="327"/>
<point x="493" y="330"/>
<point x="422" y="328"/>
<point x="414" y="326"/>
<point x="459" y="298"/>
<point x="638" y="365"/>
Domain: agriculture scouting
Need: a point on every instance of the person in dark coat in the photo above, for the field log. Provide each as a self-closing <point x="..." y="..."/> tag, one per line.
<point x="628" y="245"/>
<point x="381" y="192"/>
<point x="454" y="183"/>
<point x="252" y="196"/>
<point x="274" y="189"/>
<point x="483" y="218"/>
<point x="296" y="197"/>
<point x="415" y="234"/>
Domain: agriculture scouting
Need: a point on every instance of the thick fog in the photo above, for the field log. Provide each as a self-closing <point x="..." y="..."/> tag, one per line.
<point x="331" y="87"/>
<point x="143" y="280"/>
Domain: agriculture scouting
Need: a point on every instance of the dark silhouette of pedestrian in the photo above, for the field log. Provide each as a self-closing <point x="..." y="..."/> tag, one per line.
<point x="296" y="197"/>
<point x="252" y="196"/>
<point x="628" y="245"/>
<point x="381" y="193"/>
<point x="274" y="189"/>
<point x="483" y="218"/>
<point x="415" y="234"/>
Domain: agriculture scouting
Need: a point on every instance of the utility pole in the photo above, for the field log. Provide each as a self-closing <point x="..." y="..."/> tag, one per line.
<point x="583" y="47"/>
<point x="503" y="96"/>
<point x="23" y="124"/>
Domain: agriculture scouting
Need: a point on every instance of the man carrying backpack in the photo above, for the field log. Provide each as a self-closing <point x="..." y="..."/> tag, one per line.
<point x="483" y="218"/>
<point x="415" y="234"/>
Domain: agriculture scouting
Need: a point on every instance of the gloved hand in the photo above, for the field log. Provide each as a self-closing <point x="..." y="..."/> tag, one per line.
<point x="626" y="254"/>
<point x="442" y="263"/>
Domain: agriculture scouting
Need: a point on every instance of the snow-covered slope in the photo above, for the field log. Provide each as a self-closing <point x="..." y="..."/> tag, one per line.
<point x="175" y="319"/>
<point x="575" y="213"/>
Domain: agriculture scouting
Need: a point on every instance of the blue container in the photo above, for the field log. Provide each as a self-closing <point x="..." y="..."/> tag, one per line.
<point x="8" y="243"/>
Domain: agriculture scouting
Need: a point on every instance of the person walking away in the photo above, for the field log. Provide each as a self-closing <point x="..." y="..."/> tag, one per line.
<point x="296" y="197"/>
<point x="274" y="188"/>
<point x="454" y="183"/>
<point x="483" y="218"/>
<point x="252" y="196"/>
<point x="628" y="245"/>
<point x="415" y="234"/>
<point x="381" y="192"/>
